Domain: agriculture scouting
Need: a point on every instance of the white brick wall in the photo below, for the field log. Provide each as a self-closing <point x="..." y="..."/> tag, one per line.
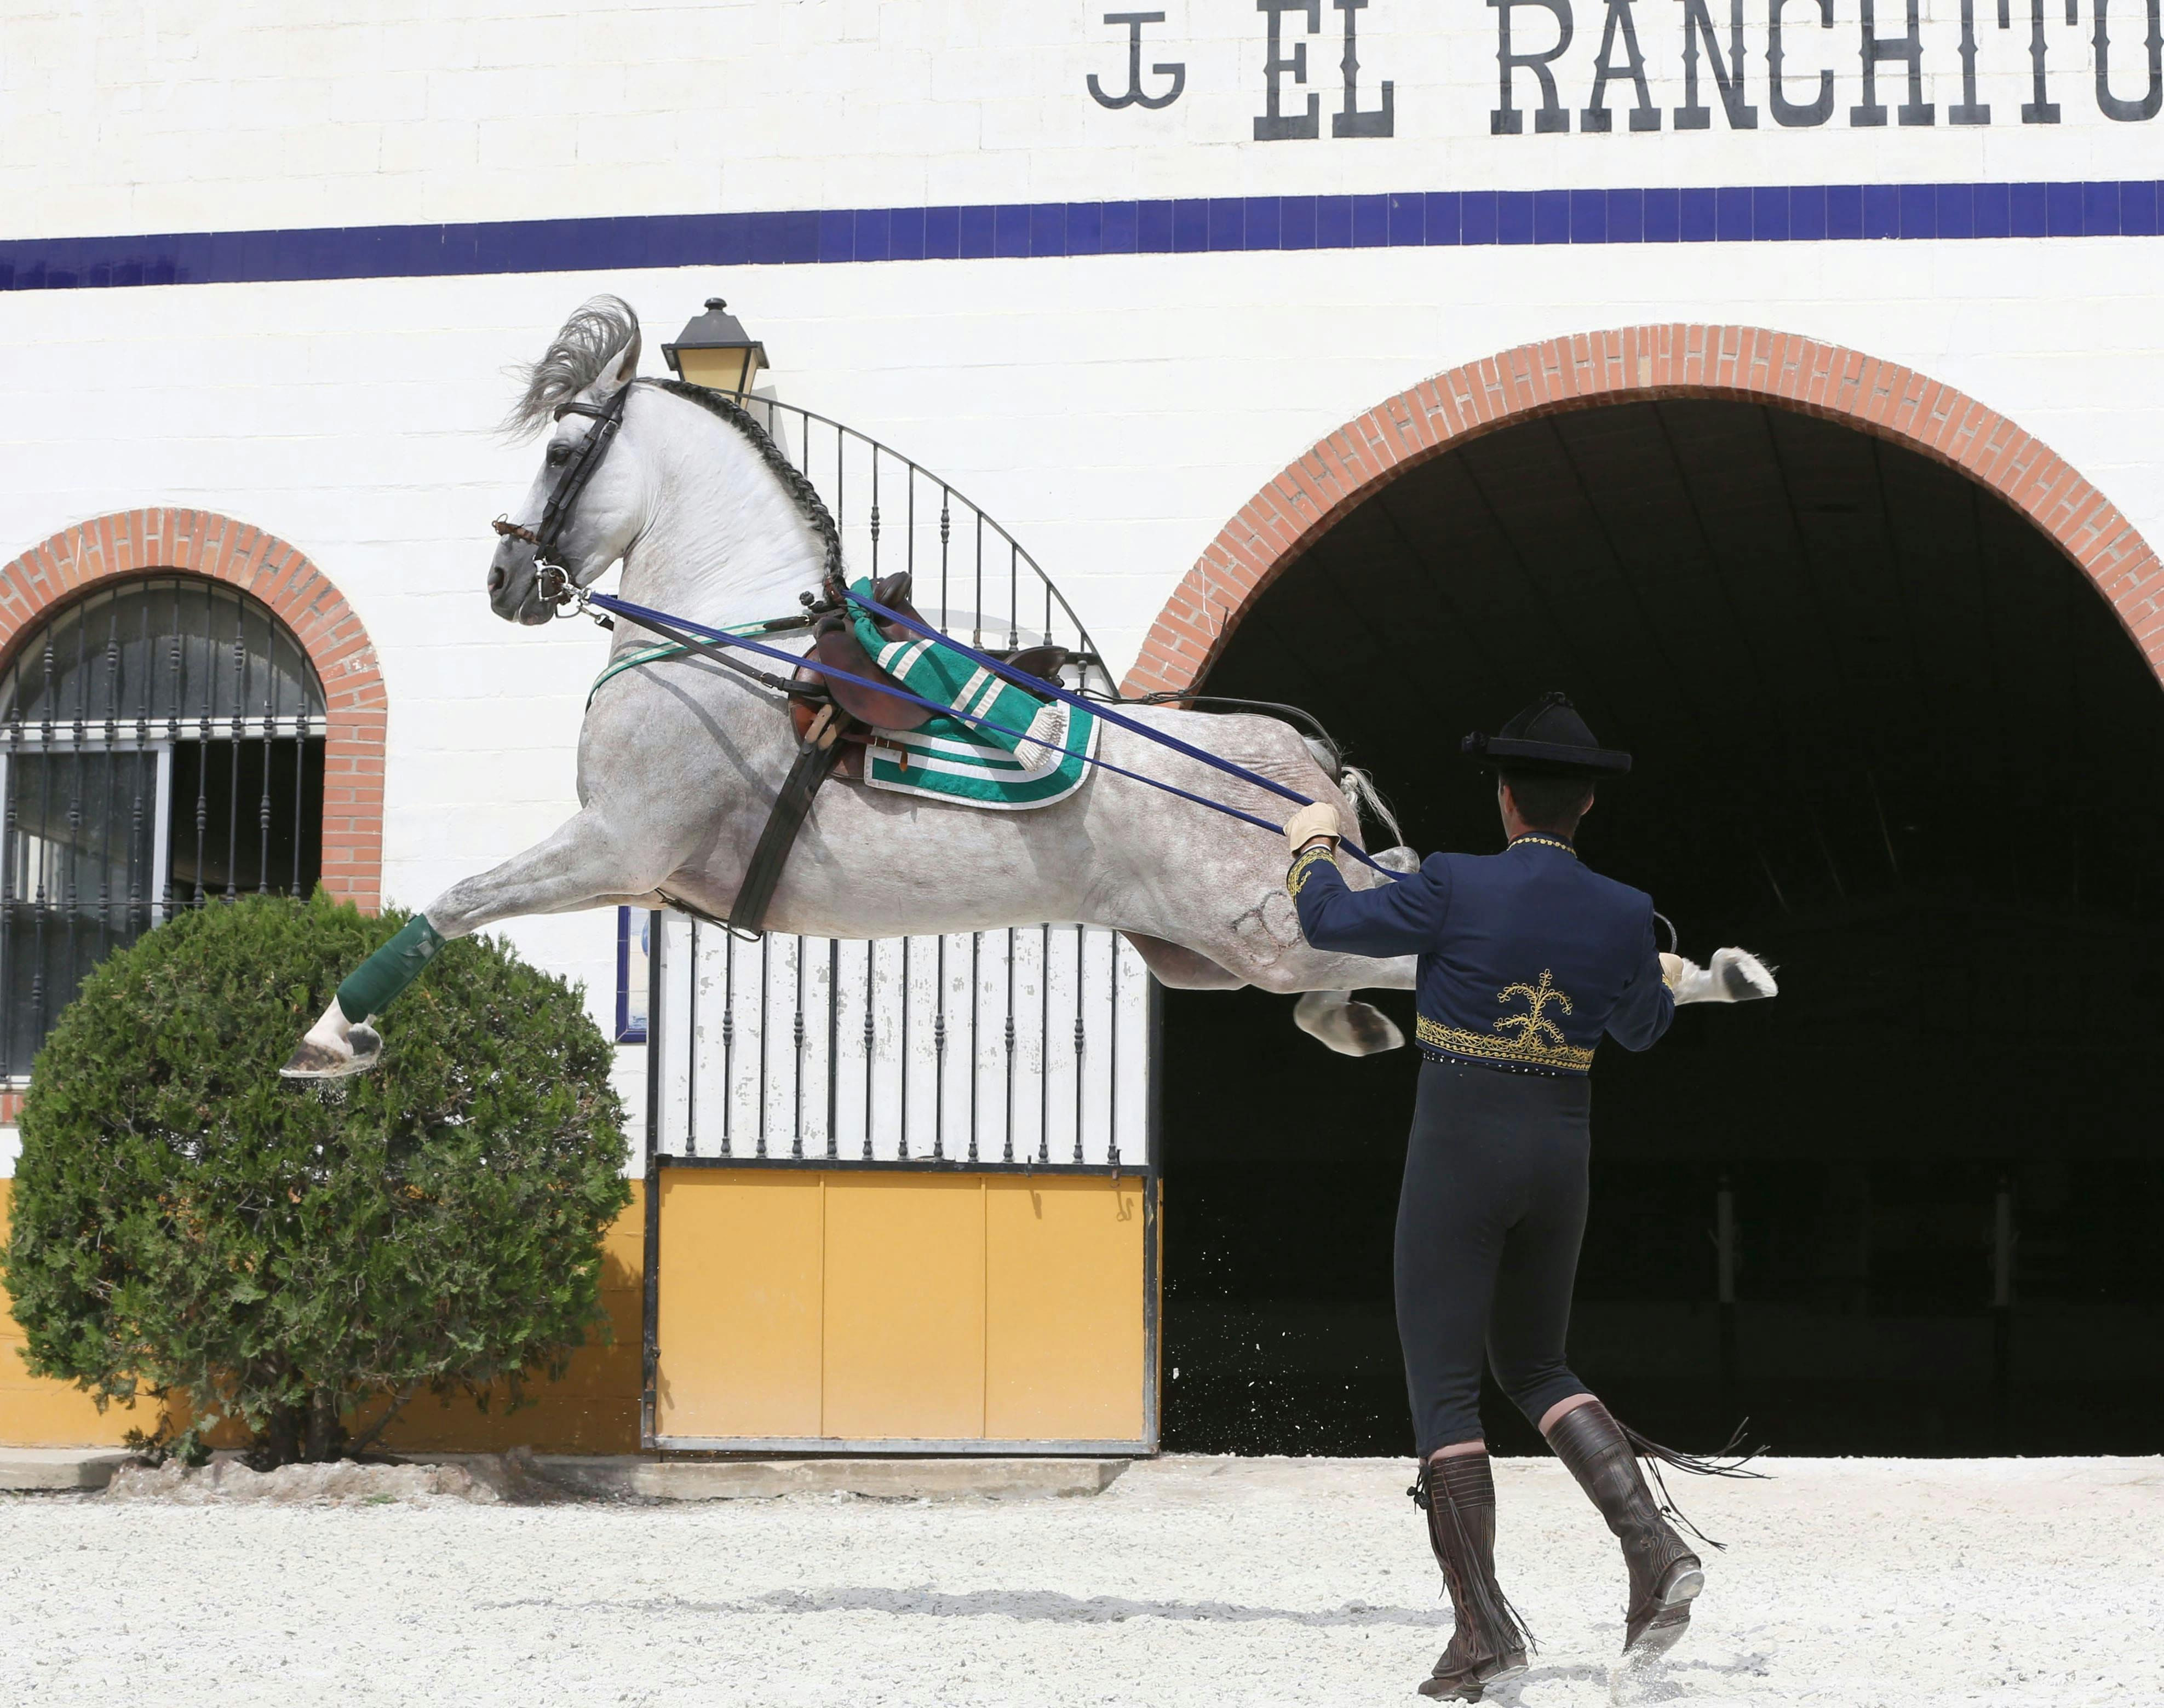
<point x="190" y="115"/>
<point x="1114" y="411"/>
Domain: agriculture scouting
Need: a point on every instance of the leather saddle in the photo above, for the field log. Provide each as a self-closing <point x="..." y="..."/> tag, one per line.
<point x="894" y="592"/>
<point x="832" y="730"/>
<point x="834" y="643"/>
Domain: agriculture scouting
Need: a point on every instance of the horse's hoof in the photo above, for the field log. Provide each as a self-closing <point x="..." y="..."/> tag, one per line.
<point x="1348" y="1027"/>
<point x="1744" y="977"/>
<point x="313" y="1061"/>
<point x="1368" y="1031"/>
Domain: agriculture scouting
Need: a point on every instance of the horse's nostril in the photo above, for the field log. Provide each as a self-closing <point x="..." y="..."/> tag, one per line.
<point x="495" y="580"/>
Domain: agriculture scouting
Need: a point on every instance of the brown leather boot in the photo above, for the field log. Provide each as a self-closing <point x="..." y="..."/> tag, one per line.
<point x="1665" y="1575"/>
<point x="1458" y="1496"/>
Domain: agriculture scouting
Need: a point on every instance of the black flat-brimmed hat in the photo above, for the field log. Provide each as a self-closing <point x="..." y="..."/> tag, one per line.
<point x="1550" y="737"/>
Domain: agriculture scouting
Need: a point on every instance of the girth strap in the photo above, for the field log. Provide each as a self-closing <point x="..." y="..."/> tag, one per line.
<point x="815" y="761"/>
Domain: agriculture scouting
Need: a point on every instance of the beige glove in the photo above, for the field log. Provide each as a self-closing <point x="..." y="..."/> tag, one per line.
<point x="1674" y="969"/>
<point x="1315" y="820"/>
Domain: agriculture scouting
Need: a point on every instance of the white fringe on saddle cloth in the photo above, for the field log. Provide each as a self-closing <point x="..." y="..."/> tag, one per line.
<point x="947" y="760"/>
<point x="952" y="759"/>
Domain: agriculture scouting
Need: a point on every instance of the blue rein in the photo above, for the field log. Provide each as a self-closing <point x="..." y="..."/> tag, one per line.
<point x="661" y="621"/>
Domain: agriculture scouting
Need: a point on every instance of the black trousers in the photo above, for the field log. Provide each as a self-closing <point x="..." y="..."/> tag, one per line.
<point x="1489" y="1219"/>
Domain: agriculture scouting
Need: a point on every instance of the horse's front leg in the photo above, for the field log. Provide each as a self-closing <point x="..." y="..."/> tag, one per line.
<point x="582" y="864"/>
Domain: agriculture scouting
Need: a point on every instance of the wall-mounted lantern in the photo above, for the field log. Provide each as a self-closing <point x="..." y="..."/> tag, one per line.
<point x="715" y="351"/>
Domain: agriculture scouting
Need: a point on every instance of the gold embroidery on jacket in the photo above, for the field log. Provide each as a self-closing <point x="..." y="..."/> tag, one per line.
<point x="1544" y="842"/>
<point x="1530" y="1037"/>
<point x="1296" y="879"/>
<point x="1533" y="1024"/>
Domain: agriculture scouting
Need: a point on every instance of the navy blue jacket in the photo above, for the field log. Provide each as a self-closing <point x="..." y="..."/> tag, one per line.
<point x="1525" y="957"/>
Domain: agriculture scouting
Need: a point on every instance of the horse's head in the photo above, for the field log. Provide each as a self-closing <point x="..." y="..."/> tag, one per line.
<point x="576" y="390"/>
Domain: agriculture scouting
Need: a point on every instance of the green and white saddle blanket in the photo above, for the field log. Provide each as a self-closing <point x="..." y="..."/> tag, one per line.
<point x="951" y="758"/>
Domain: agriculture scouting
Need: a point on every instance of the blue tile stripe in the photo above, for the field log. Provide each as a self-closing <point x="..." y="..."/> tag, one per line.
<point x="1433" y="219"/>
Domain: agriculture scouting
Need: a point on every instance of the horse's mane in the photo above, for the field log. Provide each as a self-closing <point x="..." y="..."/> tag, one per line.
<point x="597" y="334"/>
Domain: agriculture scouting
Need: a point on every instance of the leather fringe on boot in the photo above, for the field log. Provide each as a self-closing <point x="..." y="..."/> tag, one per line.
<point x="1727" y="1460"/>
<point x="1666" y="1575"/>
<point x="1457" y="1493"/>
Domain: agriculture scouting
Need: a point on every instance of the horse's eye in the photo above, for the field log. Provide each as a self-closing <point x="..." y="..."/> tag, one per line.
<point x="558" y="454"/>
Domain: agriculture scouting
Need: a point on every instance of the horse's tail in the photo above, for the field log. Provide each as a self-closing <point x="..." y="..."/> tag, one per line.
<point x="1368" y="800"/>
<point x="1360" y="793"/>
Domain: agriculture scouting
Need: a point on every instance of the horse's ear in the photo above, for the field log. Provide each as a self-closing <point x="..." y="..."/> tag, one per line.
<point x="624" y="369"/>
<point x="618" y="371"/>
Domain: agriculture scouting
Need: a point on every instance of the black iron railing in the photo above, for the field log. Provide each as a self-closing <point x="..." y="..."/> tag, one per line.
<point x="1025" y="1047"/>
<point x="972" y="579"/>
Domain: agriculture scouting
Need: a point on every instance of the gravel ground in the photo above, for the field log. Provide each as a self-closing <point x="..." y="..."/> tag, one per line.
<point x="1190" y="1581"/>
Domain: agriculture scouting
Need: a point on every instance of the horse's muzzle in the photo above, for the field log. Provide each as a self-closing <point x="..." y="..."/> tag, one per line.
<point x="514" y="588"/>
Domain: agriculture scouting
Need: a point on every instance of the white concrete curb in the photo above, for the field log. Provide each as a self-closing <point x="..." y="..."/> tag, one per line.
<point x="26" y="1469"/>
<point x="891" y="1479"/>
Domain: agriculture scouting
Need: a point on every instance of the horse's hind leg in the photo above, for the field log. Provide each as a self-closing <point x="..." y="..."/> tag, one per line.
<point x="1339" y="1021"/>
<point x="1332" y="1018"/>
<point x="1264" y="947"/>
<point x="581" y="864"/>
<point x="1179" y="968"/>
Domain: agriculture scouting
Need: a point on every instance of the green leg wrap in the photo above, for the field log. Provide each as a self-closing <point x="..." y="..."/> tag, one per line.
<point x="370" y="987"/>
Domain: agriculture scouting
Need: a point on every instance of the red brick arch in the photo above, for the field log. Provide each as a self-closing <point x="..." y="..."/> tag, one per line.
<point x="199" y="541"/>
<point x="1588" y="369"/>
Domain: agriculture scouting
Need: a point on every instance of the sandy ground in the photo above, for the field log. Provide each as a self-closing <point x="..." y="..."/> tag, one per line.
<point x="1190" y="1581"/>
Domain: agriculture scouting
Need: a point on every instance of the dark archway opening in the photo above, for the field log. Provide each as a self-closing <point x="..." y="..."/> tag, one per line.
<point x="1889" y="737"/>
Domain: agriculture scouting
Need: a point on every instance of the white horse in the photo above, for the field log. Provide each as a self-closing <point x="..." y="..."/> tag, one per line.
<point x="679" y="762"/>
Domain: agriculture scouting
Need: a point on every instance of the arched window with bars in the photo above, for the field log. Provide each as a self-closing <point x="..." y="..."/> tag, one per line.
<point x="161" y="746"/>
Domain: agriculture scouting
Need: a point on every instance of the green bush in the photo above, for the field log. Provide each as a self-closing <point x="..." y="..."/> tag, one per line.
<point x="278" y="1255"/>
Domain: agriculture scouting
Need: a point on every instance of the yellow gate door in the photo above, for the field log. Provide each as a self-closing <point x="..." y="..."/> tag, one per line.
<point x="878" y="1310"/>
<point x="901" y="1196"/>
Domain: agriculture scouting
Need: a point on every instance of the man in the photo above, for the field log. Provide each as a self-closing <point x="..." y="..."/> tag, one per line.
<point x="1526" y="959"/>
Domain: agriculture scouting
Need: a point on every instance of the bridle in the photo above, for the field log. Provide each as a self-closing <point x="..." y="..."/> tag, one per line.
<point x="553" y="580"/>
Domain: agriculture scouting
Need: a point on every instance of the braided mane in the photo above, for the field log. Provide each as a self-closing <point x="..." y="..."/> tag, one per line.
<point x="794" y="480"/>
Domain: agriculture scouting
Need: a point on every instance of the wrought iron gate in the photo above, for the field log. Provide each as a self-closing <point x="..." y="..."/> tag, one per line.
<point x="1012" y="1052"/>
<point x="1000" y="1047"/>
<point x="1028" y="1048"/>
<point x="160" y="747"/>
<point x="972" y="579"/>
